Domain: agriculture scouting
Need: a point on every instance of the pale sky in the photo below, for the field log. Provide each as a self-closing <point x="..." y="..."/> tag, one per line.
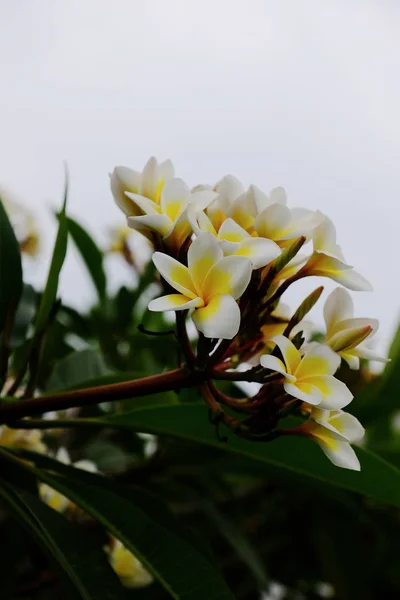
<point x="300" y="94"/>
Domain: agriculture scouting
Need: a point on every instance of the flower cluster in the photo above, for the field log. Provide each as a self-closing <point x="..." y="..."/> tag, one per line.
<point x="226" y="255"/>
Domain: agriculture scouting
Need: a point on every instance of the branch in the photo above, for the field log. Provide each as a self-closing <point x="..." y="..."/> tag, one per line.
<point x="145" y="386"/>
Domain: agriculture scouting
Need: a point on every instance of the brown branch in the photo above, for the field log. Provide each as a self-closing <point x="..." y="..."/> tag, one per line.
<point x="145" y="386"/>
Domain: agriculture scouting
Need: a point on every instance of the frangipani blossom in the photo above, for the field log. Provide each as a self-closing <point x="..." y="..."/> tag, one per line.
<point x="210" y="284"/>
<point x="327" y="260"/>
<point x="240" y="205"/>
<point x="53" y="498"/>
<point x="29" y="439"/>
<point x="334" y="431"/>
<point x="149" y="183"/>
<point x="169" y="217"/>
<point x="309" y="377"/>
<point x="129" y="569"/>
<point x="235" y="241"/>
<point x="344" y="333"/>
<point x="280" y="223"/>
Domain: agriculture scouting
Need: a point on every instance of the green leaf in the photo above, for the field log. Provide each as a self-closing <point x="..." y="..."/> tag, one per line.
<point x="377" y="479"/>
<point x="82" y="560"/>
<point x="24" y="316"/>
<point x="10" y="270"/>
<point x="239" y="542"/>
<point x="181" y="568"/>
<point x="381" y="398"/>
<point x="91" y="254"/>
<point x="75" y="369"/>
<point x="59" y="253"/>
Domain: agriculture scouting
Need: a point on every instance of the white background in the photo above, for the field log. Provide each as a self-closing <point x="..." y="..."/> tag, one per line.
<point x="300" y="94"/>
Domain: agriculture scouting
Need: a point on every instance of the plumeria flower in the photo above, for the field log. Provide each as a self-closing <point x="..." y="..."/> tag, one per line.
<point x="243" y="207"/>
<point x="327" y="260"/>
<point x="210" y="285"/>
<point x="149" y="183"/>
<point x="281" y="224"/>
<point x="169" y="217"/>
<point x="235" y="241"/>
<point x="344" y="333"/>
<point x="129" y="569"/>
<point x="23" y="223"/>
<point x="334" y="431"/>
<point x="28" y="439"/>
<point x="309" y="378"/>
<point x="54" y="498"/>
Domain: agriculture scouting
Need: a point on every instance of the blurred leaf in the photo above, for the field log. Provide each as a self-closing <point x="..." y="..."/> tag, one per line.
<point x="382" y="396"/>
<point x="377" y="479"/>
<point x="59" y="253"/>
<point x="181" y="568"/>
<point x="239" y="542"/>
<point x="81" y="559"/>
<point x="91" y="254"/>
<point x="10" y="269"/>
<point x="75" y="369"/>
<point x="24" y="315"/>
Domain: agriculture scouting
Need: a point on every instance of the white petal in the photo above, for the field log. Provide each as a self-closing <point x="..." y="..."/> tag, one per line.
<point x="352" y="280"/>
<point x="319" y="360"/>
<point x="275" y="364"/>
<point x="229" y="187"/>
<point x="123" y="179"/>
<point x="202" y="198"/>
<point x="174" y="198"/>
<point x="160" y="223"/>
<point x="335" y="394"/>
<point x="278" y="195"/>
<point x="230" y="275"/>
<point x="291" y="355"/>
<point x="348" y="426"/>
<point x="352" y="361"/>
<point x="259" y="251"/>
<point x="173" y="302"/>
<point x="307" y="393"/>
<point x="258" y="198"/>
<point x="369" y="354"/>
<point x="62" y="456"/>
<point x="86" y="465"/>
<point x="324" y="238"/>
<point x="166" y="170"/>
<point x="219" y="319"/>
<point x="176" y="274"/>
<point x="204" y="252"/>
<point x="341" y="454"/>
<point x="273" y="221"/>
<point x="149" y="178"/>
<point x="232" y="232"/>
<point x="146" y="205"/>
<point x="179" y="231"/>
<point x="338" y="306"/>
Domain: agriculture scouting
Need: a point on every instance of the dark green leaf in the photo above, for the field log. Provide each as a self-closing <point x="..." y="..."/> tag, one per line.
<point x="75" y="369"/>
<point x="23" y="316"/>
<point x="239" y="542"/>
<point x="59" y="253"/>
<point x="80" y="558"/>
<point x="377" y="479"/>
<point x="180" y="567"/>
<point x="91" y="254"/>
<point x="10" y="270"/>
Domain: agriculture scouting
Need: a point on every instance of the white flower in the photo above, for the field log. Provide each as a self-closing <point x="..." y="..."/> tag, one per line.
<point x="128" y="568"/>
<point x="236" y="241"/>
<point x="309" y="378"/>
<point x="28" y="439"/>
<point x="149" y="183"/>
<point x="327" y="260"/>
<point x="210" y="284"/>
<point x="52" y="497"/>
<point x="334" y="431"/>
<point x="344" y="333"/>
<point x="169" y="217"/>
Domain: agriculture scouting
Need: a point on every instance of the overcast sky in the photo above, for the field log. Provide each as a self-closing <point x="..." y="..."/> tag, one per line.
<point x="300" y="94"/>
